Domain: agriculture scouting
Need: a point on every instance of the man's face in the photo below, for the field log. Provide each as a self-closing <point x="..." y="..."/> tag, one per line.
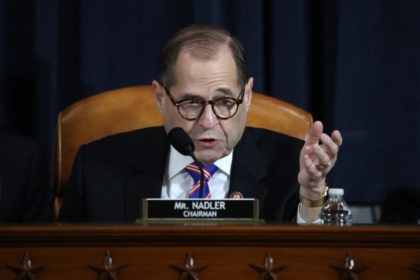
<point x="209" y="79"/>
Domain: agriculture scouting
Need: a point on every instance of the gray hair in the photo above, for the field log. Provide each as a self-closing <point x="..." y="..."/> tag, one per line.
<point x="203" y="42"/>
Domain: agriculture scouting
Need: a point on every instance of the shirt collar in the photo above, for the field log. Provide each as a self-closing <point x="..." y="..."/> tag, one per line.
<point x="177" y="162"/>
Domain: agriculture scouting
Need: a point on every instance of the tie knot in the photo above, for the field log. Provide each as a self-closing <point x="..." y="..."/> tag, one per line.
<point x="197" y="191"/>
<point x="194" y="171"/>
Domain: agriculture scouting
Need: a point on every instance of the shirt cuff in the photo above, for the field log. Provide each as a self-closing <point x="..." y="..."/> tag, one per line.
<point x="300" y="220"/>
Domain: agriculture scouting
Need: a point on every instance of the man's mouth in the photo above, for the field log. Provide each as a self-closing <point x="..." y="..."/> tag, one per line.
<point x="207" y="142"/>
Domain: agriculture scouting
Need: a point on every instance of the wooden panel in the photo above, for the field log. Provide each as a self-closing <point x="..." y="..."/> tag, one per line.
<point x="307" y="252"/>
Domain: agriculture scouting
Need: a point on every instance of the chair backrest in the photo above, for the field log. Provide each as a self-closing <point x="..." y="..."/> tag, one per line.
<point x="131" y="108"/>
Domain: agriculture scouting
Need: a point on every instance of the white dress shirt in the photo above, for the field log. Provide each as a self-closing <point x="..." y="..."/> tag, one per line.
<point x="177" y="181"/>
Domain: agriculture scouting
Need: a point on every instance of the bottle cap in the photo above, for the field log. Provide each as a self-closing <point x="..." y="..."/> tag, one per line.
<point x="336" y="191"/>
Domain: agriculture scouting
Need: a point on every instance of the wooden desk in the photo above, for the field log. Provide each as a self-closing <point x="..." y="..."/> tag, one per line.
<point x="223" y="252"/>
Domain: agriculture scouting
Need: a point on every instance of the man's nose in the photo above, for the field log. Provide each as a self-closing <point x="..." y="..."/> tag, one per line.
<point x="208" y="118"/>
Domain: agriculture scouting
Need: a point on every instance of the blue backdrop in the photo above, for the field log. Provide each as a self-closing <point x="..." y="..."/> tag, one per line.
<point x="355" y="65"/>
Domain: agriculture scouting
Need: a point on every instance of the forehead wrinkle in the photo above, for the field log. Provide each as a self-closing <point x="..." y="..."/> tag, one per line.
<point x="223" y="90"/>
<point x="215" y="84"/>
<point x="202" y="79"/>
<point x="224" y="60"/>
<point x="223" y="78"/>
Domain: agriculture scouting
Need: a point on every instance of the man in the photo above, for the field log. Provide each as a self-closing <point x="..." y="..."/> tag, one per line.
<point x="25" y="193"/>
<point x="204" y="88"/>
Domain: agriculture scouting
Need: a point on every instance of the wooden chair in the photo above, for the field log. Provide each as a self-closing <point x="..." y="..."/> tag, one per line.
<point x="131" y="108"/>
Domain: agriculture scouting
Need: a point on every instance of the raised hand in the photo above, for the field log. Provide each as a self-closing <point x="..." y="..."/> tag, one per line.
<point x="317" y="158"/>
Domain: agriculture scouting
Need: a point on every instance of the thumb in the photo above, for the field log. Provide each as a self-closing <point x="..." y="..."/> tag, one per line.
<point x="315" y="133"/>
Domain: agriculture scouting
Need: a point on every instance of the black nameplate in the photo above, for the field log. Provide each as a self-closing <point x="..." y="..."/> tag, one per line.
<point x="200" y="209"/>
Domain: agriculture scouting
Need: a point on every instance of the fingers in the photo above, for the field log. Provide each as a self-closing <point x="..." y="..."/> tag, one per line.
<point x="329" y="145"/>
<point x="311" y="168"/>
<point x="321" y="158"/>
<point x="318" y="156"/>
<point x="337" y="138"/>
<point x="324" y="154"/>
<point x="316" y="160"/>
<point x="315" y="133"/>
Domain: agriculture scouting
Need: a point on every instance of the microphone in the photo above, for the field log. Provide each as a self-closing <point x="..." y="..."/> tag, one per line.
<point x="183" y="143"/>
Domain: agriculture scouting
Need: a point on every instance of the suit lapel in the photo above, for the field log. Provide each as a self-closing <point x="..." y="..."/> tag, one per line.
<point x="147" y="170"/>
<point x="248" y="169"/>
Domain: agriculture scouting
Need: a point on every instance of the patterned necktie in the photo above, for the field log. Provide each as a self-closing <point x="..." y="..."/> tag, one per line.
<point x="194" y="171"/>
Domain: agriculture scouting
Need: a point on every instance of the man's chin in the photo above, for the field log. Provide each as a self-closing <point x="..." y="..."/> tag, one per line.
<point x="208" y="158"/>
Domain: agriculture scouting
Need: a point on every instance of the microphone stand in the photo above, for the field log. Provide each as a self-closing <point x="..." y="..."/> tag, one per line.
<point x="200" y="190"/>
<point x="183" y="143"/>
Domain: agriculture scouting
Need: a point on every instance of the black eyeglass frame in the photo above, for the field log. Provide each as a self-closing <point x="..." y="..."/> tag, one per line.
<point x="238" y="101"/>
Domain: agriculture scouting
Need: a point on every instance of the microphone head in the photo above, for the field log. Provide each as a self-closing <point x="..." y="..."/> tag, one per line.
<point x="181" y="141"/>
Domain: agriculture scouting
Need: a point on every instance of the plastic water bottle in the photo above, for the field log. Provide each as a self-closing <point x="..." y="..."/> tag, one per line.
<point x="335" y="210"/>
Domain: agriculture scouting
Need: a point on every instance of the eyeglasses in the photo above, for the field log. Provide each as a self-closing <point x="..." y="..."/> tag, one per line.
<point x="191" y="108"/>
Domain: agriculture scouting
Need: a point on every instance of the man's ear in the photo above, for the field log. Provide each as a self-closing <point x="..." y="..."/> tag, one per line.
<point x="159" y="94"/>
<point x="248" y="93"/>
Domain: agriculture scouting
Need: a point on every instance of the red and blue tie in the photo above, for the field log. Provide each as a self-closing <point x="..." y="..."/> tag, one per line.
<point x="194" y="171"/>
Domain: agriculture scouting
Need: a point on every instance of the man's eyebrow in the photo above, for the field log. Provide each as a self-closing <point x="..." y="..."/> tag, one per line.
<point x="189" y="95"/>
<point x="225" y="91"/>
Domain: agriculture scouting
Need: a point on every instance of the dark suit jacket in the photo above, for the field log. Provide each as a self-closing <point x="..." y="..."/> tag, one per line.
<point x="25" y="189"/>
<point x="112" y="175"/>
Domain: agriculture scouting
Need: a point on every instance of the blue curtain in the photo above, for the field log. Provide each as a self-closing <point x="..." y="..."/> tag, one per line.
<point x="353" y="64"/>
